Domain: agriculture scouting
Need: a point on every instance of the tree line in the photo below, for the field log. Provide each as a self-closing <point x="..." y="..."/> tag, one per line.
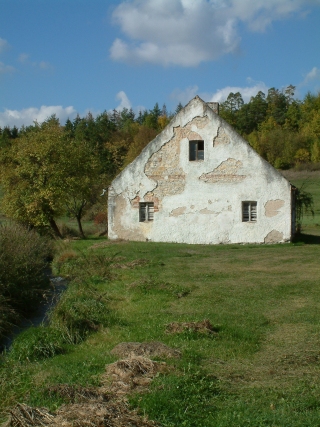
<point x="283" y="130"/>
<point x="48" y="170"/>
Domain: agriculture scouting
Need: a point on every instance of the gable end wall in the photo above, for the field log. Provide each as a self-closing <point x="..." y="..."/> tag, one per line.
<point x="200" y="201"/>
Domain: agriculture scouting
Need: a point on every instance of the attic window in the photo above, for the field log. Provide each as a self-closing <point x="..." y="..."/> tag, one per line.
<point x="196" y="150"/>
<point x="146" y="210"/>
<point x="249" y="211"/>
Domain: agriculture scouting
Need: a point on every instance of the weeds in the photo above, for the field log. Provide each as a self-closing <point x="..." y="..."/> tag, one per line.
<point x="82" y="266"/>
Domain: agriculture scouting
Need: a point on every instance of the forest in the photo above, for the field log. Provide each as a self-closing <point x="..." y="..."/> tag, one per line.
<point x="49" y="170"/>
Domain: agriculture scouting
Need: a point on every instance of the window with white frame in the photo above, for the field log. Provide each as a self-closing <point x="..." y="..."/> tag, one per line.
<point x="249" y="211"/>
<point x="146" y="211"/>
<point x="196" y="150"/>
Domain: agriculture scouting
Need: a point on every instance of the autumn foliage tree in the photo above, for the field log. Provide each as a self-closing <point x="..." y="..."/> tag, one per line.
<point x="32" y="182"/>
<point x="45" y="173"/>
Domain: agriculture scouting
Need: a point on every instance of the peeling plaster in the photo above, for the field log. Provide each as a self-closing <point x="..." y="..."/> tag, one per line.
<point x="272" y="207"/>
<point x="274" y="237"/>
<point x="207" y="211"/>
<point x="178" y="211"/>
<point x="222" y="138"/>
<point x="226" y="172"/>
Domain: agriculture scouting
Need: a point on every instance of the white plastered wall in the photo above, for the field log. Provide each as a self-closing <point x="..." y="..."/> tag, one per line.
<point x="200" y="201"/>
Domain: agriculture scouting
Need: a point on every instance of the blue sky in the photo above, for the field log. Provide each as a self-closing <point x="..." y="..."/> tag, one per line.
<point x="66" y="57"/>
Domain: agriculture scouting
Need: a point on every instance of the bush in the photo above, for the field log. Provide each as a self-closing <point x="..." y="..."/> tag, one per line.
<point x="37" y="343"/>
<point x="23" y="259"/>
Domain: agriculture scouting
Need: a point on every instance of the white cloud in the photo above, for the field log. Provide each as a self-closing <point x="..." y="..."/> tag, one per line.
<point x="313" y="75"/>
<point x="184" y="96"/>
<point x="247" y="92"/>
<point x="124" y="101"/>
<point x="187" y="32"/>
<point x="28" y="115"/>
<point x="6" y="68"/>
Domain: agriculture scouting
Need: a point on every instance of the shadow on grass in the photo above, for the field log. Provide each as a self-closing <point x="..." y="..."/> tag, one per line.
<point x="307" y="239"/>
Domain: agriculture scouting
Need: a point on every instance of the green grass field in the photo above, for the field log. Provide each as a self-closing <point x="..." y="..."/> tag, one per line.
<point x="263" y="361"/>
<point x="259" y="368"/>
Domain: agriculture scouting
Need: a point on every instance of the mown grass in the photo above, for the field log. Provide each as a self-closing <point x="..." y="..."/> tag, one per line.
<point x="260" y="369"/>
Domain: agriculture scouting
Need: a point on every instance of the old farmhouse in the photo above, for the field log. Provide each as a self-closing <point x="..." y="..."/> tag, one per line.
<point x="199" y="181"/>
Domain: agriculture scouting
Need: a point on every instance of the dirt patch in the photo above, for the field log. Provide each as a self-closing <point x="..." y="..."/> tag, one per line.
<point x="148" y="349"/>
<point x="203" y="327"/>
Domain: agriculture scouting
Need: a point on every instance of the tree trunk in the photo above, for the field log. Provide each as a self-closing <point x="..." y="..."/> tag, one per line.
<point x="78" y="217"/>
<point x="55" y="228"/>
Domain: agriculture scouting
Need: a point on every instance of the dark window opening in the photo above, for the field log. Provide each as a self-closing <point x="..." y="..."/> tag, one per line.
<point x="146" y="211"/>
<point x="196" y="150"/>
<point x="249" y="211"/>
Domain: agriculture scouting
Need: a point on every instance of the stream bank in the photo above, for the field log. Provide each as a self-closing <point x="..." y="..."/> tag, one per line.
<point x="40" y="316"/>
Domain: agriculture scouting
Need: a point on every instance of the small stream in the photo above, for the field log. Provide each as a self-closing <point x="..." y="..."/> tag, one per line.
<point x="57" y="286"/>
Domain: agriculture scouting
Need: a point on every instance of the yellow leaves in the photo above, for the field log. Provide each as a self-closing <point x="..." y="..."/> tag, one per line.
<point x="163" y="121"/>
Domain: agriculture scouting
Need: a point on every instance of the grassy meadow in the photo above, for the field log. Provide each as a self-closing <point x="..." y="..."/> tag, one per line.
<point x="259" y="366"/>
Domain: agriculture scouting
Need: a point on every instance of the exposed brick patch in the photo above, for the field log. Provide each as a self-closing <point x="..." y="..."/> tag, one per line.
<point x="164" y="165"/>
<point x="226" y="172"/>
<point x="222" y="138"/>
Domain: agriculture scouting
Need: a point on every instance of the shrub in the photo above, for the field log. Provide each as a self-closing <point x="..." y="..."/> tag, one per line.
<point x="23" y="259"/>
